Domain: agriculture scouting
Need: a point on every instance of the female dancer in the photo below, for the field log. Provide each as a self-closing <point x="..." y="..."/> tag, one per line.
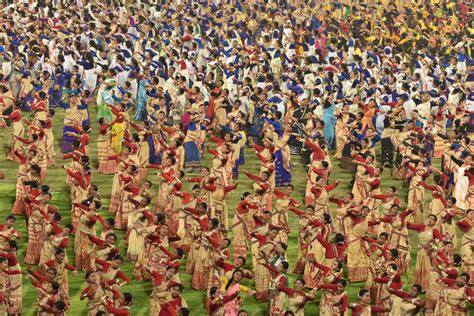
<point x="396" y="222"/>
<point x="282" y="160"/>
<point x="279" y="278"/>
<point x="218" y="301"/>
<point x="29" y="174"/>
<point x="83" y="246"/>
<point x="17" y="131"/>
<point x="363" y="308"/>
<point x="388" y="200"/>
<point x="357" y="256"/>
<point x="438" y="203"/>
<point x="231" y="287"/>
<point x="167" y="176"/>
<point x="122" y="162"/>
<point x="416" y="193"/>
<point x="36" y="235"/>
<point x="240" y="228"/>
<point x="26" y="91"/>
<point x="466" y="225"/>
<point x="428" y="237"/>
<point x="72" y="125"/>
<point x="344" y="118"/>
<point x="49" y="138"/>
<point x="56" y="237"/>
<point x="118" y="128"/>
<point x="265" y="154"/>
<point x="140" y="218"/>
<point x="59" y="263"/>
<point x="161" y="283"/>
<point x="453" y="296"/>
<point x="193" y="145"/>
<point x="334" y="299"/>
<point x="110" y="270"/>
<point x="15" y="295"/>
<point x="219" y="192"/>
<point x="205" y="241"/>
<point x="280" y="214"/>
<point x="141" y="113"/>
<point x="342" y="223"/>
<point x="6" y="289"/>
<point x="95" y="293"/>
<point x="128" y="181"/>
<point x="321" y="196"/>
<point x="297" y="298"/>
<point x="266" y="251"/>
<point x="364" y="165"/>
<point x="104" y="148"/>
<point x="462" y="180"/>
<point x="329" y="120"/>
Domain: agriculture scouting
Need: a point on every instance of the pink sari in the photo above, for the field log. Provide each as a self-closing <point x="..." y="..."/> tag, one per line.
<point x="231" y="308"/>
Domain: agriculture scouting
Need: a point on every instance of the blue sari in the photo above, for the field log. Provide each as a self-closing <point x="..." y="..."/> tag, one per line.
<point x="257" y="124"/>
<point x="329" y="125"/>
<point x="141" y="114"/>
<point x="55" y="98"/>
<point x="155" y="158"/>
<point x="83" y="107"/>
<point x="282" y="176"/>
<point x="192" y="153"/>
<point x="67" y="142"/>
<point x="25" y="102"/>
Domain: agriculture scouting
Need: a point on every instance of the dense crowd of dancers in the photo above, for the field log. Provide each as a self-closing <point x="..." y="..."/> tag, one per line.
<point x="374" y="86"/>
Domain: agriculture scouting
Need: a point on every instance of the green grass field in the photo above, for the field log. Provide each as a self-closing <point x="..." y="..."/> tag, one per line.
<point x="142" y="290"/>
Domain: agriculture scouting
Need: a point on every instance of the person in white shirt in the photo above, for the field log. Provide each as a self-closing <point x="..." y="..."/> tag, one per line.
<point x="409" y="105"/>
<point x="424" y="108"/>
